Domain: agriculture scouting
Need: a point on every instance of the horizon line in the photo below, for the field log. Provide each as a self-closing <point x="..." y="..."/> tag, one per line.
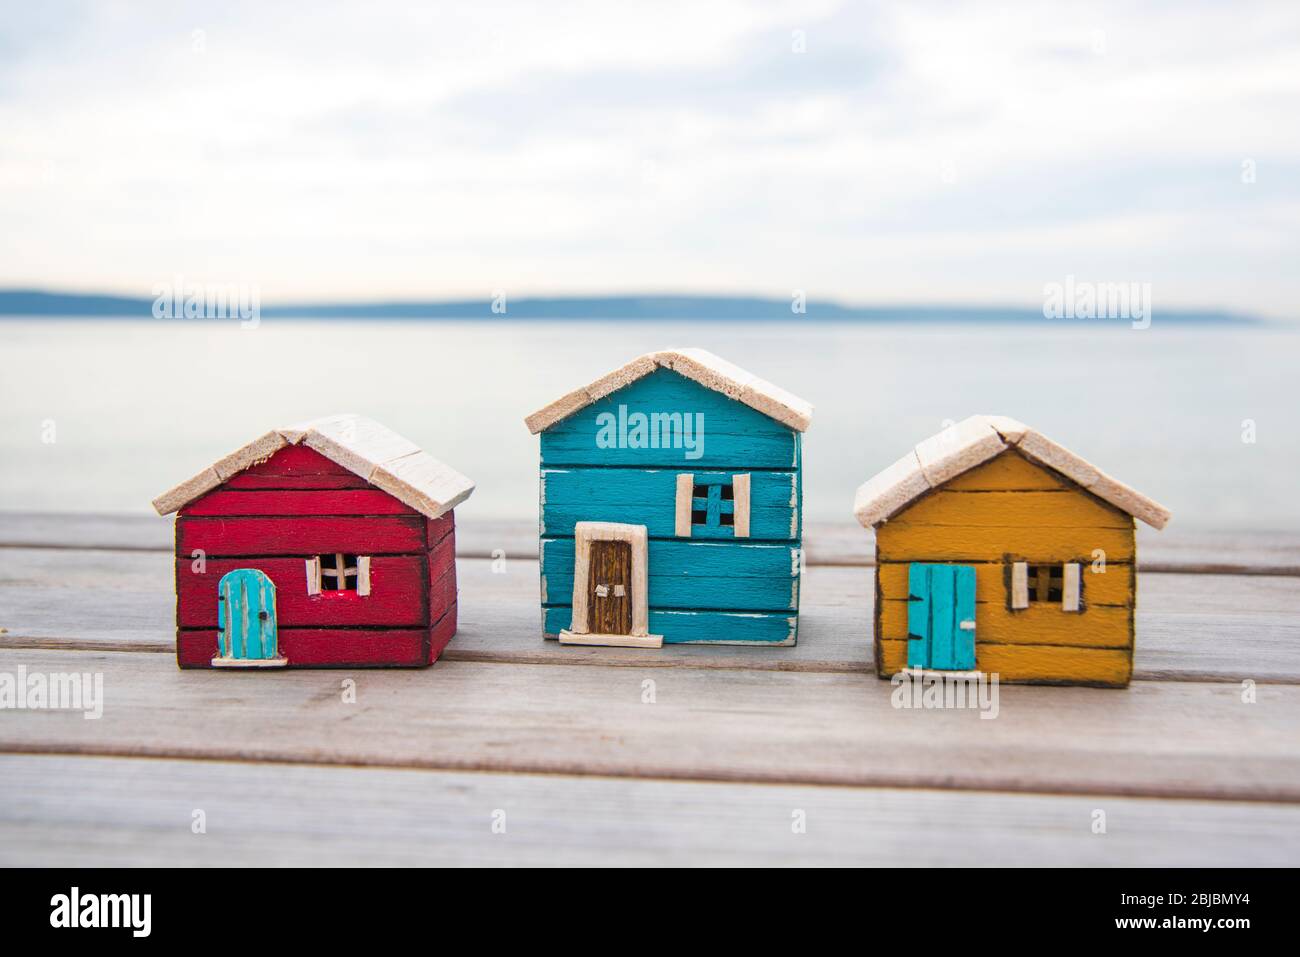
<point x="32" y="301"/>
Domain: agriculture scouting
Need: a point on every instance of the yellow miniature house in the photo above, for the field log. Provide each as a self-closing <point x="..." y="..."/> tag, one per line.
<point x="999" y="551"/>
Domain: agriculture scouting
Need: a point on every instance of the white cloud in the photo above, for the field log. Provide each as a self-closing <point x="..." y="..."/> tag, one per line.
<point x="914" y="151"/>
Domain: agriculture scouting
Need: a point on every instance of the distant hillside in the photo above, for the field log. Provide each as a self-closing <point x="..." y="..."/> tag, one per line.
<point x="53" y="305"/>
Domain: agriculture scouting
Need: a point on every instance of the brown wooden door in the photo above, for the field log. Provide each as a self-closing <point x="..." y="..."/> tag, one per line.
<point x="609" y="588"/>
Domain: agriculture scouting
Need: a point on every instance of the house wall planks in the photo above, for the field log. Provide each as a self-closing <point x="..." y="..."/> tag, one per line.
<point x="673" y="559"/>
<point x="250" y="482"/>
<point x="1008" y="472"/>
<point x="438" y="529"/>
<point x="1061" y="508"/>
<point x="1111" y="584"/>
<point x="661" y="499"/>
<point x="1040" y="624"/>
<point x="706" y="627"/>
<point x="297" y="460"/>
<point x="722" y="450"/>
<point x="900" y="541"/>
<point x="668" y="392"/>
<point x="1033" y="664"/>
<point x="440" y="633"/>
<point x="695" y="575"/>
<point x="733" y="434"/>
<point x="306" y="535"/>
<point x="441" y="573"/>
<point x="322" y="647"/>
<point x="397" y="593"/>
<point x="284" y="502"/>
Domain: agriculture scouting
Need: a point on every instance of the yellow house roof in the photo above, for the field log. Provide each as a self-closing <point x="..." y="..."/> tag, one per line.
<point x="973" y="442"/>
<point x="703" y="367"/>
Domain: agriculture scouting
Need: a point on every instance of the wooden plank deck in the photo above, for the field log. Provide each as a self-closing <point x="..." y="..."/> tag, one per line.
<point x="736" y="741"/>
<point x="300" y="815"/>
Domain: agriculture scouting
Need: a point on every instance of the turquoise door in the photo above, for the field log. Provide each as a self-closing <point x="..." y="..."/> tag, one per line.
<point x="941" y="617"/>
<point x="246" y="616"/>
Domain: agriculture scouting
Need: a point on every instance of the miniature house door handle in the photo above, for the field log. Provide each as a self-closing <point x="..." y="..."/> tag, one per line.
<point x="967" y="624"/>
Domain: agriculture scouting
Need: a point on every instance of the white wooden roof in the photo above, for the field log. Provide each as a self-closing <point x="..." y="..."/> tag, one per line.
<point x="703" y="367"/>
<point x="363" y="446"/>
<point x="973" y="442"/>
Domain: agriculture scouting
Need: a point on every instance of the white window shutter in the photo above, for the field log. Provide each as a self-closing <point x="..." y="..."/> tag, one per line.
<point x="313" y="576"/>
<point x="1070" y="580"/>
<point x="685" y="499"/>
<point x="363" y="574"/>
<point x="1020" y="584"/>
<point x="740" y="504"/>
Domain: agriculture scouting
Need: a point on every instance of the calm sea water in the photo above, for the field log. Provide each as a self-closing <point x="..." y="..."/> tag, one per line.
<point x="104" y="415"/>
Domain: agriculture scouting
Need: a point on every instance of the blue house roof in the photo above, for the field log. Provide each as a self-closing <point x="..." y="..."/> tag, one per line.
<point x="701" y="366"/>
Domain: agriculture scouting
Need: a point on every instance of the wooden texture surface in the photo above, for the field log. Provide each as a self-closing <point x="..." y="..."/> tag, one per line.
<point x="1156" y="739"/>
<point x="706" y="764"/>
<point x="1195" y="627"/>
<point x="294" y="815"/>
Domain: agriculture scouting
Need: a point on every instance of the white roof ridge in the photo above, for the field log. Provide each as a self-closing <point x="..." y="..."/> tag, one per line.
<point x="974" y="441"/>
<point x="362" y="446"/>
<point x="699" y="365"/>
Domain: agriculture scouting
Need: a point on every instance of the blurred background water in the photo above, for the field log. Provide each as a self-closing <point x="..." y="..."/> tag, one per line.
<point x="134" y="407"/>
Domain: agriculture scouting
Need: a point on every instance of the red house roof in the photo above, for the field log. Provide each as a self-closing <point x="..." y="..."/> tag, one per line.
<point x="362" y="446"/>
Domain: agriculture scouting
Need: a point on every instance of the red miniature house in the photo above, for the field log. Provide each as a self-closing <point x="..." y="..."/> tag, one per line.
<point x="328" y="544"/>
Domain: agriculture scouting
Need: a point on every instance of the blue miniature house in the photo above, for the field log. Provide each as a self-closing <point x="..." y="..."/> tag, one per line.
<point x="671" y="506"/>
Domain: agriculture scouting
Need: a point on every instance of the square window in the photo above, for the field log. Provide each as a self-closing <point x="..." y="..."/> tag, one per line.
<point x="713" y="505"/>
<point x="338" y="572"/>
<point x="1046" y="583"/>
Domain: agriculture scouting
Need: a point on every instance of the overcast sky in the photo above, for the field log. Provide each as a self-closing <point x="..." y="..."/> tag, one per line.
<point x="910" y="153"/>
